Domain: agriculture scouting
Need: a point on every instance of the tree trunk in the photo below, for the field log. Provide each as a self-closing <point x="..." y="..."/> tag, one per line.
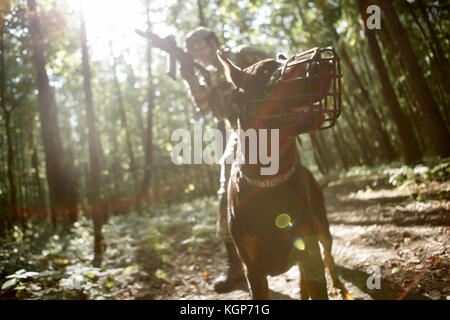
<point x="375" y="121"/>
<point x="21" y="179"/>
<point x="10" y="218"/>
<point x="409" y="145"/>
<point x="123" y="118"/>
<point x="94" y="196"/>
<point x="352" y="156"/>
<point x="438" y="65"/>
<point x="12" y="184"/>
<point x="340" y="150"/>
<point x="356" y="130"/>
<point x="312" y="39"/>
<point x="433" y="118"/>
<point x="201" y="15"/>
<point x="403" y="87"/>
<point x="41" y="194"/>
<point x="440" y="55"/>
<point x="62" y="186"/>
<point x="149" y="130"/>
<point x="319" y="155"/>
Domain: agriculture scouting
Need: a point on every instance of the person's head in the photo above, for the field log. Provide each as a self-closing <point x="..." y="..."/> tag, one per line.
<point x="202" y="44"/>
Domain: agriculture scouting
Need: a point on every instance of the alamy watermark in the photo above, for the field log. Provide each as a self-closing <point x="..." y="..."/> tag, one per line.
<point x="373" y="20"/>
<point x="191" y="151"/>
<point x="374" y="281"/>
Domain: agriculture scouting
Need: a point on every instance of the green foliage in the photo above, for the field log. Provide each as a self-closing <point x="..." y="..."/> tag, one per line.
<point x="37" y="265"/>
<point x="406" y="175"/>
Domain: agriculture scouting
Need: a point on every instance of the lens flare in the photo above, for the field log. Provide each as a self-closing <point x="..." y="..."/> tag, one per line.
<point x="299" y="244"/>
<point x="348" y="296"/>
<point x="283" y="221"/>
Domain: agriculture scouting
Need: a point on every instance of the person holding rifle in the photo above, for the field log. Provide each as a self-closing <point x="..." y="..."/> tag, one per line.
<point x="213" y="97"/>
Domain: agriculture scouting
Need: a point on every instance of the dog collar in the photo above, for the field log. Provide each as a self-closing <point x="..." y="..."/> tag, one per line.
<point x="273" y="182"/>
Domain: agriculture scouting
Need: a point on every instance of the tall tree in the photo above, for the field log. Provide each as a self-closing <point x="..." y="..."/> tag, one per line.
<point x="438" y="60"/>
<point x="409" y="145"/>
<point x="124" y="119"/>
<point x="375" y="121"/>
<point x="433" y="117"/>
<point x="358" y="132"/>
<point x="59" y="168"/>
<point x="380" y="134"/>
<point x="320" y="155"/>
<point x="201" y="14"/>
<point x="7" y="116"/>
<point x="94" y="152"/>
<point x="42" y="202"/>
<point x="150" y="103"/>
<point x="440" y="54"/>
<point x="341" y="152"/>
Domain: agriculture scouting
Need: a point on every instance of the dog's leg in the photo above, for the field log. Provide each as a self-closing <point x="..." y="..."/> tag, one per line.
<point x="326" y="240"/>
<point x="323" y="229"/>
<point x="304" y="291"/>
<point x="258" y="284"/>
<point x="327" y="243"/>
<point x="313" y="269"/>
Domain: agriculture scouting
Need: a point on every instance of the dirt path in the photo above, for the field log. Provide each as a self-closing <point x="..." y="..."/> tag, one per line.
<point x="374" y="225"/>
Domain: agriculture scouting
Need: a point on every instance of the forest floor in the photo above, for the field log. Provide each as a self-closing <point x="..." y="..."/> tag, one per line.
<point x="391" y="222"/>
<point x="373" y="224"/>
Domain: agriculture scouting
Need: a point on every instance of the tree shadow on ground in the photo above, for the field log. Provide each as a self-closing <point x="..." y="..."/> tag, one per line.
<point x="388" y="289"/>
<point x="404" y="218"/>
<point x="273" y="295"/>
<point x="364" y="203"/>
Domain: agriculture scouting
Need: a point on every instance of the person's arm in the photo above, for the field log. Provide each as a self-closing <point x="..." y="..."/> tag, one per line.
<point x="212" y="98"/>
<point x="199" y="92"/>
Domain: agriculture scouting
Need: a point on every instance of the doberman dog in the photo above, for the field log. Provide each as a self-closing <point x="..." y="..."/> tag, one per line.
<point x="277" y="221"/>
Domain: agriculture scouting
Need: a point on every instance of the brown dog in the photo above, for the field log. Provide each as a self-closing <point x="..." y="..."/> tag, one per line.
<point x="277" y="221"/>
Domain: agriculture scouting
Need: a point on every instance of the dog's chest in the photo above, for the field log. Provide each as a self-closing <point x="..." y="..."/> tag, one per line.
<point x="275" y="210"/>
<point x="271" y="224"/>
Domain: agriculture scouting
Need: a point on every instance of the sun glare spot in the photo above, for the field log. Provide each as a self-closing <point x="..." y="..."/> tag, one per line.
<point x="113" y="23"/>
<point x="299" y="244"/>
<point x="283" y="221"/>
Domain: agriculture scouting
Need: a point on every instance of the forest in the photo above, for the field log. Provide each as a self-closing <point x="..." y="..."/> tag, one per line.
<point x="92" y="205"/>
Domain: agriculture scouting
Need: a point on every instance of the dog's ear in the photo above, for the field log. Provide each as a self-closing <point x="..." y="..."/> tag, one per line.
<point x="233" y="73"/>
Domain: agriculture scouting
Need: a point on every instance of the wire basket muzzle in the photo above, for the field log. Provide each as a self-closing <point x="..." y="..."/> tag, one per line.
<point x="303" y="95"/>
